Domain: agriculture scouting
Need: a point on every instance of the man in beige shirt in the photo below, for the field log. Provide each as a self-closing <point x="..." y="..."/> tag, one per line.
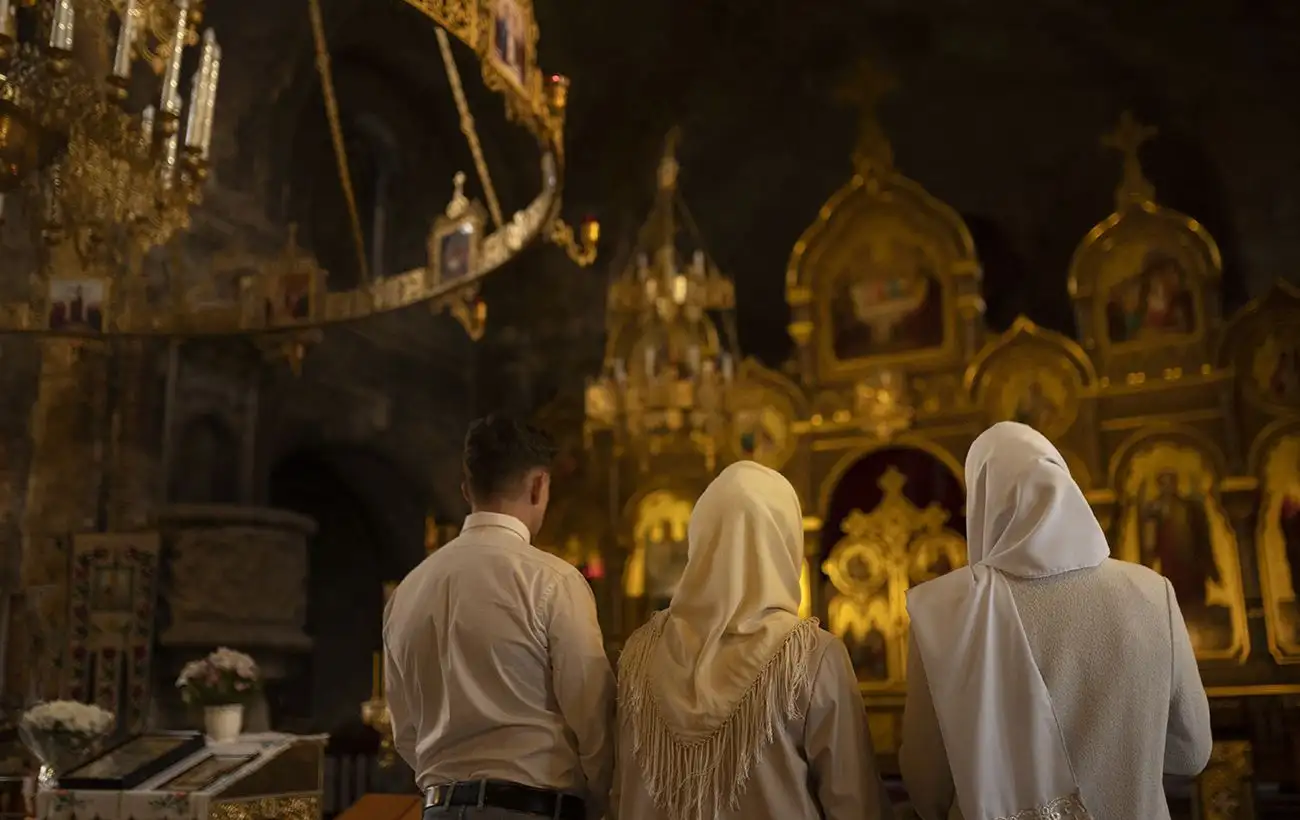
<point x="501" y="693"/>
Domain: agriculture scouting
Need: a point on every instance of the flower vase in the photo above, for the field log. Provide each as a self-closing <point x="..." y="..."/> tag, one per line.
<point x="59" y="752"/>
<point x="224" y="723"/>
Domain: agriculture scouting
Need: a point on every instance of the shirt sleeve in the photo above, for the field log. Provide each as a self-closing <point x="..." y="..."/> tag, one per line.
<point x="584" y="684"/>
<point x="1189" y="742"/>
<point x="922" y="757"/>
<point x="399" y="709"/>
<point x="841" y="758"/>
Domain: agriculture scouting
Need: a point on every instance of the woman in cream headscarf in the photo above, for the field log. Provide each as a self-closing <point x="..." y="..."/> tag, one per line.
<point x="730" y="704"/>
<point x="1045" y="680"/>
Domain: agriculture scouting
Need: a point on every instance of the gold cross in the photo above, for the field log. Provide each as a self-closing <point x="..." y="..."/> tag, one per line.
<point x="864" y="88"/>
<point x="1128" y="138"/>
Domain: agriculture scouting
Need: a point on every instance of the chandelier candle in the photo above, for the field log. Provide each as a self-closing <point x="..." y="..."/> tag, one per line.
<point x="170" y="103"/>
<point x="61" y="30"/>
<point x="199" y="84"/>
<point x="210" y="99"/>
<point x="7" y="32"/>
<point x="125" y="40"/>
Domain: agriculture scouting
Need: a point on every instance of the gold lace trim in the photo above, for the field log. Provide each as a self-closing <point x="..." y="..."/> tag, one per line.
<point x="1062" y="808"/>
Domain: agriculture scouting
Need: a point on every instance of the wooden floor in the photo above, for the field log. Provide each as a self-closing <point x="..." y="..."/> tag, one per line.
<point x="385" y="807"/>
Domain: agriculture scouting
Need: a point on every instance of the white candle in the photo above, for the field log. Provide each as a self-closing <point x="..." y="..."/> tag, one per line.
<point x="147" y="117"/>
<point x="62" y="25"/>
<point x="726" y="366"/>
<point x="169" y="162"/>
<point x="6" y="19"/>
<point x="693" y="358"/>
<point x="698" y="263"/>
<point x="170" y="101"/>
<point x="125" y="40"/>
<point x="200" y="83"/>
<point x="210" y="100"/>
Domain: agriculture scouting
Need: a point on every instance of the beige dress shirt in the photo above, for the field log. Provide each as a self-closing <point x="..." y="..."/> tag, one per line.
<point x="495" y="667"/>
<point x="821" y="765"/>
<point x="1114" y="652"/>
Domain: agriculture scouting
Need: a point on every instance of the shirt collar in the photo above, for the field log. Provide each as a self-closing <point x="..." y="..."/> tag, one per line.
<point x="499" y="520"/>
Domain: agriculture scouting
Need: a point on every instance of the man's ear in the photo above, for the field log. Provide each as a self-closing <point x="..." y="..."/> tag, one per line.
<point x="464" y="492"/>
<point x="537" y="486"/>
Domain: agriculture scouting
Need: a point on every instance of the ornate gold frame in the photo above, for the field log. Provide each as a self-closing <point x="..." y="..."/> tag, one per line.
<point x="1223" y="534"/>
<point x="106" y="305"/>
<point x="810" y="278"/>
<point x="1269" y="549"/>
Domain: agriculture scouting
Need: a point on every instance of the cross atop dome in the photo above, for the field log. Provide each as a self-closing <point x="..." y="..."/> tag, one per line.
<point x="1128" y="138"/>
<point x="863" y="89"/>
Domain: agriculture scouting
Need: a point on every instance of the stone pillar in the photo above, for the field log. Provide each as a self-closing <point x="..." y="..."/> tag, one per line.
<point x="237" y="577"/>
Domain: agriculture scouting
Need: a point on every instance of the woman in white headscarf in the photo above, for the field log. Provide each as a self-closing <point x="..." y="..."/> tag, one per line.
<point x="1045" y="679"/>
<point x="730" y="704"/>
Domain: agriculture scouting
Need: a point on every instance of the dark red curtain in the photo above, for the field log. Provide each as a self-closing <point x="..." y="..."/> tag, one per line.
<point x="928" y="480"/>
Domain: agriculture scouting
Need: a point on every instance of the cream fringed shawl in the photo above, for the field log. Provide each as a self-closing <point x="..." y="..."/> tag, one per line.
<point x="689" y="778"/>
<point x="704" y="686"/>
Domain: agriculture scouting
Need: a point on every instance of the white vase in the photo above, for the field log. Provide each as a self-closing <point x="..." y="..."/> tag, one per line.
<point x="223" y="723"/>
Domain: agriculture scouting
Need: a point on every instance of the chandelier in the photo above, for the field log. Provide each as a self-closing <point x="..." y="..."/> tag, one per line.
<point x="102" y="181"/>
<point x="668" y="373"/>
<point x="105" y="176"/>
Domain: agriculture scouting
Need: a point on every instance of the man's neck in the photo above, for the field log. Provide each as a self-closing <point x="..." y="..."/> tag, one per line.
<point x="514" y="510"/>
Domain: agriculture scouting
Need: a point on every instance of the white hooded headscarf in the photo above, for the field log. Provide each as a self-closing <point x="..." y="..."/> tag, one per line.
<point x="1025" y="518"/>
<point x="705" y="684"/>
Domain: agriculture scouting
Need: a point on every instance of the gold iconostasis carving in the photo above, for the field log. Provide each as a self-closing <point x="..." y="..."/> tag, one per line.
<point x="894" y="375"/>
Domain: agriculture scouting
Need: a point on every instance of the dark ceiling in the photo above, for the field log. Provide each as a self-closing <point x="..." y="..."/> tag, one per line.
<point x="999" y="110"/>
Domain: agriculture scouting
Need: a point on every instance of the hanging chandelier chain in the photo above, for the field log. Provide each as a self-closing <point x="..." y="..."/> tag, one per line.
<point x="336" y="134"/>
<point x="467" y="127"/>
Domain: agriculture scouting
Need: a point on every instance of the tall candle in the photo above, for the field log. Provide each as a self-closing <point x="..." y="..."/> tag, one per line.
<point x="125" y="40"/>
<point x="169" y="161"/>
<point x="199" y="84"/>
<point x="6" y="19"/>
<point x="147" y="117"/>
<point x="61" y="26"/>
<point x="170" y="102"/>
<point x="210" y="99"/>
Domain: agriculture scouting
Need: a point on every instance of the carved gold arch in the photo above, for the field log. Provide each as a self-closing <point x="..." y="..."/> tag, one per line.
<point x="1167" y="480"/>
<point x="1261" y="343"/>
<point x="869" y="213"/>
<point x="1275" y="459"/>
<point x="1139" y="244"/>
<point x="1031" y="375"/>
<point x="766" y="408"/>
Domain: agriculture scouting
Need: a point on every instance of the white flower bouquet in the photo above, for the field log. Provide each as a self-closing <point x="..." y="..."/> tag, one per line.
<point x="225" y="677"/>
<point x="63" y="734"/>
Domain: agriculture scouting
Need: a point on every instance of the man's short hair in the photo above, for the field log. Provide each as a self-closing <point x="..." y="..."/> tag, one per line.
<point x="499" y="450"/>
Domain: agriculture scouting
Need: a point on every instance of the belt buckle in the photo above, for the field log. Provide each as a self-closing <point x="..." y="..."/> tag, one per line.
<point x="559" y="805"/>
<point x="439" y="795"/>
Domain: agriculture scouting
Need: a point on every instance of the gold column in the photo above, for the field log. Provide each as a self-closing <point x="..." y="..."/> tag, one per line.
<point x="64" y="485"/>
<point x="1225" y="790"/>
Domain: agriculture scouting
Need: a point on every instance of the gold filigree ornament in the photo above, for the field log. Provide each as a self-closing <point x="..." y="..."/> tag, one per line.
<point x="669" y="382"/>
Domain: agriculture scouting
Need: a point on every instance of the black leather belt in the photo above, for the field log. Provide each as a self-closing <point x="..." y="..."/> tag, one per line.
<point x="501" y="794"/>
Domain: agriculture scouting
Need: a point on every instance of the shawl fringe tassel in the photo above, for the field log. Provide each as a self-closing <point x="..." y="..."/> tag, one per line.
<point x="696" y="778"/>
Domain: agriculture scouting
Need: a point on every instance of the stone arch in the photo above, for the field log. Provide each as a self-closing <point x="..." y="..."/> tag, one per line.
<point x="210" y="449"/>
<point x="370" y="530"/>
